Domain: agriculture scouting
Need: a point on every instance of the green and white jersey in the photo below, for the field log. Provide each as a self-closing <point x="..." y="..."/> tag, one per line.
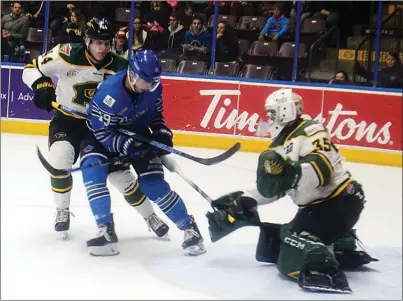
<point x="78" y="77"/>
<point x="323" y="176"/>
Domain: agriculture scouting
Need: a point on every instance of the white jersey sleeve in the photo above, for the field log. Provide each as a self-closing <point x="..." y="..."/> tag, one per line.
<point x="47" y="64"/>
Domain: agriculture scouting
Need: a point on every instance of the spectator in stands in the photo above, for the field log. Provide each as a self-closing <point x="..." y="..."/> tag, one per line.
<point x="175" y="40"/>
<point x="157" y="14"/>
<point x="14" y="26"/>
<point x="35" y="12"/>
<point x="341" y="78"/>
<point x="197" y="41"/>
<point x="73" y="30"/>
<point x="276" y="26"/>
<point x="59" y="15"/>
<point x="139" y="36"/>
<point x="325" y="10"/>
<point x="119" y="45"/>
<point x="389" y="77"/>
<point x="227" y="43"/>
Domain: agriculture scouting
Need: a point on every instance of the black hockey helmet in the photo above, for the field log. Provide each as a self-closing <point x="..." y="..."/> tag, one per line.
<point x="98" y="29"/>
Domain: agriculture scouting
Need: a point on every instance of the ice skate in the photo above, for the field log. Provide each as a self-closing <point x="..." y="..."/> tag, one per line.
<point x="106" y="244"/>
<point x="193" y="240"/>
<point x="158" y="226"/>
<point x="62" y="222"/>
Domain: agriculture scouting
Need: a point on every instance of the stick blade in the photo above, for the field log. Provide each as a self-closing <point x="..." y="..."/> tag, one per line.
<point x="53" y="171"/>
<point x="222" y="157"/>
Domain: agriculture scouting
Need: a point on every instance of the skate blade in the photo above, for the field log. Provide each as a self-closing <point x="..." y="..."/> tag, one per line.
<point x="327" y="289"/>
<point x="196" y="250"/>
<point x="165" y="237"/>
<point x="62" y="235"/>
<point x="108" y="250"/>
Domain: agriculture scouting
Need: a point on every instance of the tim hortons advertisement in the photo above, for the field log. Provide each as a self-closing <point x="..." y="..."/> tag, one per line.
<point x="352" y="118"/>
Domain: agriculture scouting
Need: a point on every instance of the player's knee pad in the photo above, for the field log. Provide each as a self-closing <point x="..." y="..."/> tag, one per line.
<point x="61" y="155"/>
<point x="127" y="184"/>
<point x="154" y="186"/>
<point x="268" y="246"/>
<point x="303" y="252"/>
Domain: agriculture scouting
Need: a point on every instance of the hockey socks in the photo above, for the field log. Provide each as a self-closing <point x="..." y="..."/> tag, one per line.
<point x="159" y="191"/>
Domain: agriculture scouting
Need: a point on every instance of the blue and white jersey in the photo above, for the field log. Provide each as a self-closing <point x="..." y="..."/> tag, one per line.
<point x="113" y="106"/>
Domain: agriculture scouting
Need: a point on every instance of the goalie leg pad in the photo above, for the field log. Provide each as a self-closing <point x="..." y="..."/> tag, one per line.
<point x="346" y="252"/>
<point x="268" y="246"/>
<point x="303" y="257"/>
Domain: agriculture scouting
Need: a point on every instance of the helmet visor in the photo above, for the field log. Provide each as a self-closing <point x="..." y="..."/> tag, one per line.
<point x="143" y="85"/>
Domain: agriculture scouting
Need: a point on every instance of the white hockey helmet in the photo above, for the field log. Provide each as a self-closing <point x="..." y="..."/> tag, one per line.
<point x="282" y="107"/>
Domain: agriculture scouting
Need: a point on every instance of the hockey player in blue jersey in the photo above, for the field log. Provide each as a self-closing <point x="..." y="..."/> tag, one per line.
<point x="132" y="100"/>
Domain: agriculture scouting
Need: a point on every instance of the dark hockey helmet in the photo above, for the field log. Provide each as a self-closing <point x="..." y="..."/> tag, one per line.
<point x="98" y="29"/>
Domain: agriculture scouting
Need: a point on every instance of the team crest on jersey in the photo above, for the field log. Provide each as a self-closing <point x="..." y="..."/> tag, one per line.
<point x="89" y="93"/>
<point x="60" y="135"/>
<point x="66" y="49"/>
<point x="71" y="73"/>
<point x="109" y="101"/>
<point x="273" y="167"/>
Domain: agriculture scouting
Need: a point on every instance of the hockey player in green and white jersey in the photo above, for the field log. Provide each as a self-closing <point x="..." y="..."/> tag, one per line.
<point x="303" y="163"/>
<point x="79" y="69"/>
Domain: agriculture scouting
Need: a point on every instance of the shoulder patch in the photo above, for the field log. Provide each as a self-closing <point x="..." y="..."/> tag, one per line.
<point x="313" y="128"/>
<point x="109" y="101"/>
<point x="65" y="49"/>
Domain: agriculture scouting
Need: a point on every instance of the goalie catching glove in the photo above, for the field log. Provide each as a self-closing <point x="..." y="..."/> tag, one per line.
<point x="45" y="93"/>
<point x="275" y="175"/>
<point x="231" y="212"/>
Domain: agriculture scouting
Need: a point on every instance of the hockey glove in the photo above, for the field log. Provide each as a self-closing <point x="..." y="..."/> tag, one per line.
<point x="137" y="150"/>
<point x="275" y="175"/>
<point x="232" y="211"/>
<point x="164" y="136"/>
<point x="44" y="90"/>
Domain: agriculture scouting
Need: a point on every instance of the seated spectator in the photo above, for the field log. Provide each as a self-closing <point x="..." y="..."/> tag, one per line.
<point x="341" y="78"/>
<point x="73" y="30"/>
<point x="59" y="15"/>
<point x="276" y="26"/>
<point x="175" y="40"/>
<point x="157" y="14"/>
<point x="35" y="12"/>
<point x="119" y="45"/>
<point x="324" y="10"/>
<point x="14" y="26"/>
<point x="197" y="41"/>
<point x="139" y="35"/>
<point x="389" y="77"/>
<point x="227" y="43"/>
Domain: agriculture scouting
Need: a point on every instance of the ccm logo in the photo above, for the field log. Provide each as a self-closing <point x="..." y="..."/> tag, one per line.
<point x="294" y="243"/>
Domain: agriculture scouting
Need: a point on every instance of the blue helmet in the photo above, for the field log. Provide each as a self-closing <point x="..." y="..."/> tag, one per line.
<point x="146" y="65"/>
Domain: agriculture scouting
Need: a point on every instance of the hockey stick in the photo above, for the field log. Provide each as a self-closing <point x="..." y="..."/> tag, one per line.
<point x="63" y="172"/>
<point x="205" y="161"/>
<point x="171" y="165"/>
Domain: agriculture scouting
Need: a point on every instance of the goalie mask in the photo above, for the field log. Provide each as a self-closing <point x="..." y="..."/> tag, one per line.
<point x="282" y="107"/>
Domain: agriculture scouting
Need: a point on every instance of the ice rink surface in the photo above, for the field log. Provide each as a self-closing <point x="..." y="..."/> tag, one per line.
<point x="36" y="265"/>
